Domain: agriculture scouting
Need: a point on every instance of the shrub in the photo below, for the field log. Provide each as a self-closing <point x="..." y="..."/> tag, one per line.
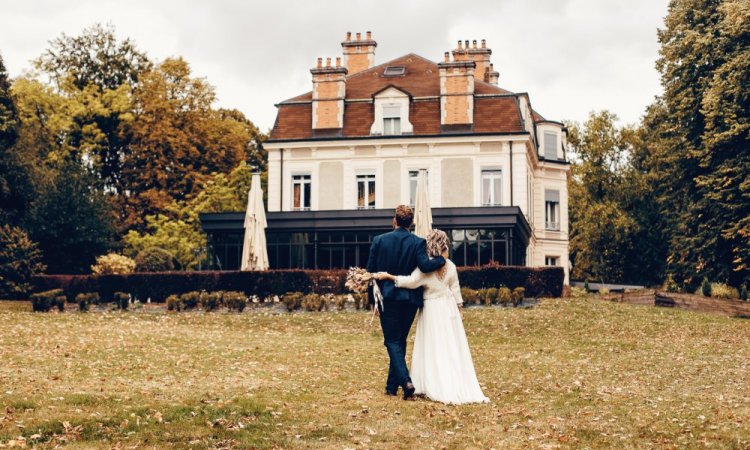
<point x="586" y="286"/>
<point x="122" y="300"/>
<point x="113" y="264"/>
<point x="314" y="302"/>
<point x="84" y="299"/>
<point x="721" y="290"/>
<point x="235" y="301"/>
<point x="340" y="302"/>
<point x="154" y="259"/>
<point x="504" y="295"/>
<point x="60" y="302"/>
<point x="743" y="292"/>
<point x="470" y="296"/>
<point x="292" y="300"/>
<point x="706" y="288"/>
<point x="174" y="303"/>
<point x="538" y="281"/>
<point x="20" y="260"/>
<point x="576" y="292"/>
<point x="603" y="290"/>
<point x="190" y="300"/>
<point x="210" y="301"/>
<point x="670" y="285"/>
<point x="44" y="301"/>
<point x="360" y="300"/>
<point x="518" y="295"/>
<point x="491" y="298"/>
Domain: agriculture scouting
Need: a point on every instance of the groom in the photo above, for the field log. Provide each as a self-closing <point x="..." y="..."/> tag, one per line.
<point x="399" y="252"/>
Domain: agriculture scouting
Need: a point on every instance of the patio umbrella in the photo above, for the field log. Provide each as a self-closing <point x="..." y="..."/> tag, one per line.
<point x="254" y="252"/>
<point x="422" y="211"/>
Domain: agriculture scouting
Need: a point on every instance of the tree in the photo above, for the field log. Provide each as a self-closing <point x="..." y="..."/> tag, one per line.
<point x="20" y="259"/>
<point x="99" y="72"/>
<point x="700" y="147"/>
<point x="178" y="140"/>
<point x="10" y="204"/>
<point x="180" y="233"/>
<point x="71" y="221"/>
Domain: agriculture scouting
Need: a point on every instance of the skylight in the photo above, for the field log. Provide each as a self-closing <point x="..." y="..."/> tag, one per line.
<point x="394" y="71"/>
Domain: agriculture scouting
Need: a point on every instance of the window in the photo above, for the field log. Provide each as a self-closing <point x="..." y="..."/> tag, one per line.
<point x="551" y="261"/>
<point x="550" y="145"/>
<point x="391" y="119"/>
<point x="552" y="210"/>
<point x="491" y="187"/>
<point x="301" y="187"/>
<point x="413" y="177"/>
<point x="366" y="191"/>
<point x="394" y="71"/>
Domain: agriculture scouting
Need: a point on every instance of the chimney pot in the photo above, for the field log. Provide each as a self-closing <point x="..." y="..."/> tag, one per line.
<point x="320" y="63"/>
<point x="328" y="62"/>
<point x="338" y="61"/>
<point x="447" y="56"/>
<point x="467" y="44"/>
<point x="369" y="35"/>
<point x="459" y="44"/>
<point x="359" y="36"/>
<point x="484" y="43"/>
<point x="348" y="35"/>
<point x="474" y="43"/>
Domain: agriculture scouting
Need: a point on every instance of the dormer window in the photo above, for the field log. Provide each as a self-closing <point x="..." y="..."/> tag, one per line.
<point x="394" y="71"/>
<point x="550" y="145"/>
<point x="391" y="119"/>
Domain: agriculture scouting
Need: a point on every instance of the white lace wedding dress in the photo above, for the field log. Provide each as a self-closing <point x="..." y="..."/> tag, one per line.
<point x="441" y="365"/>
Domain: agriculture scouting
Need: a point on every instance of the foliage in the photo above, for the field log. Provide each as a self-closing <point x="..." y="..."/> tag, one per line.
<point x="60" y="302"/>
<point x="235" y="301"/>
<point x="722" y="290"/>
<point x="743" y="292"/>
<point x="72" y="222"/>
<point x="537" y="281"/>
<point x="210" y="301"/>
<point x="20" y="259"/>
<point x="46" y="300"/>
<point x="178" y="139"/>
<point x="122" y="300"/>
<point x="180" y="232"/>
<point x="698" y="140"/>
<point x="113" y="264"/>
<point x="518" y="295"/>
<point x="174" y="303"/>
<point x="173" y="237"/>
<point x="705" y="287"/>
<point x="154" y="259"/>
<point x="190" y="300"/>
<point x="292" y="300"/>
<point x="314" y="302"/>
<point x="85" y="299"/>
<point x="8" y="136"/>
<point x="670" y="285"/>
<point x="504" y="296"/>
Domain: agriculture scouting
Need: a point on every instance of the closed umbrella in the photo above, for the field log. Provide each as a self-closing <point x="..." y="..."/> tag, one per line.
<point x="254" y="252"/>
<point x="422" y="211"/>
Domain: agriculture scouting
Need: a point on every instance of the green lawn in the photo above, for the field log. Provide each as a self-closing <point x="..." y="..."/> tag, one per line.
<point x="566" y="373"/>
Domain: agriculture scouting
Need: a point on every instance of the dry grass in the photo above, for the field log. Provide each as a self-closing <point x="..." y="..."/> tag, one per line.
<point x="572" y="373"/>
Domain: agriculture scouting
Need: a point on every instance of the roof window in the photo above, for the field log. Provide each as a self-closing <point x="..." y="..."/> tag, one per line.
<point x="394" y="71"/>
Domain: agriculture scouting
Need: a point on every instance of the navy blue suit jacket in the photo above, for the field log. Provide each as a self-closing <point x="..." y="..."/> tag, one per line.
<point x="399" y="253"/>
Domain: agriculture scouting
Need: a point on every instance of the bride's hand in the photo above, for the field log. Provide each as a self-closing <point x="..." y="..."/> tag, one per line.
<point x="383" y="276"/>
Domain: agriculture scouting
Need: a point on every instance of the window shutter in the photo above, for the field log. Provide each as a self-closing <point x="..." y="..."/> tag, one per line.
<point x="391" y="111"/>
<point x="551" y="196"/>
<point x="550" y="145"/>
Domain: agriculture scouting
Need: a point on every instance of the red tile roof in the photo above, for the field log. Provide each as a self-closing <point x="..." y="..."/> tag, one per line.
<point x="495" y="110"/>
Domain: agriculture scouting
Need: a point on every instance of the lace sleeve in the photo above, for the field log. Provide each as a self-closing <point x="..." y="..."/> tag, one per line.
<point x="453" y="284"/>
<point x="413" y="281"/>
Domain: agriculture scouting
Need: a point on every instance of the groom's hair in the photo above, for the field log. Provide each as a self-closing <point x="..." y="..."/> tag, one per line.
<point x="404" y="216"/>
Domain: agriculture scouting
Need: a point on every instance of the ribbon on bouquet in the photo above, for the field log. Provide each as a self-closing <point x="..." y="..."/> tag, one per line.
<point x="378" y="300"/>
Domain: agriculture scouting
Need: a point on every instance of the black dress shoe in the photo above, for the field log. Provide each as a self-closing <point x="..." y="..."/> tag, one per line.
<point x="409" y="390"/>
<point x="391" y="393"/>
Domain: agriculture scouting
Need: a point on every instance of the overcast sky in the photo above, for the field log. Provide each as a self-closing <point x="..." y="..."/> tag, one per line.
<point x="571" y="56"/>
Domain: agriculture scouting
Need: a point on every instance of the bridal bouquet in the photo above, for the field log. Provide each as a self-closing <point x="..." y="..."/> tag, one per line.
<point x="357" y="279"/>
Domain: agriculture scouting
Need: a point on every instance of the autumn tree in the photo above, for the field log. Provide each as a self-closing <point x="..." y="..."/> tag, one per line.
<point x="699" y="143"/>
<point x="179" y="140"/>
<point x="98" y="72"/>
<point x="11" y="201"/>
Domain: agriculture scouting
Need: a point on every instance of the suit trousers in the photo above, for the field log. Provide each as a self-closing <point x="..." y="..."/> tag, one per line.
<point x="396" y="320"/>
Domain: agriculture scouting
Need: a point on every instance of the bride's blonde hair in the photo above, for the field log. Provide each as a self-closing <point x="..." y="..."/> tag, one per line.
<point x="437" y="243"/>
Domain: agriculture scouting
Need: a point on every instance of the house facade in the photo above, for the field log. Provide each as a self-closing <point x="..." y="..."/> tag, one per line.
<point x="342" y="156"/>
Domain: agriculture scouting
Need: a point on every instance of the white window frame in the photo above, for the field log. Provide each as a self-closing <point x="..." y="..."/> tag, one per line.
<point x="392" y="119"/>
<point x="302" y="182"/>
<point x="366" y="178"/>
<point x="495" y="176"/>
<point x="415" y="179"/>
<point x="551" y="210"/>
<point x="552" y="258"/>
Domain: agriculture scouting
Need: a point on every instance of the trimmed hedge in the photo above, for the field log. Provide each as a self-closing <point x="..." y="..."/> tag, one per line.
<point x="537" y="282"/>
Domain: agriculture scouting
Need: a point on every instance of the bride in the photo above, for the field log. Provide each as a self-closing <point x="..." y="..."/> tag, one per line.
<point x="441" y="365"/>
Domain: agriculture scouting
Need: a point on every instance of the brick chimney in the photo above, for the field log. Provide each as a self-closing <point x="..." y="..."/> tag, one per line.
<point x="457" y="87"/>
<point x="359" y="54"/>
<point x="329" y="90"/>
<point x="482" y="59"/>
<point x="492" y="76"/>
